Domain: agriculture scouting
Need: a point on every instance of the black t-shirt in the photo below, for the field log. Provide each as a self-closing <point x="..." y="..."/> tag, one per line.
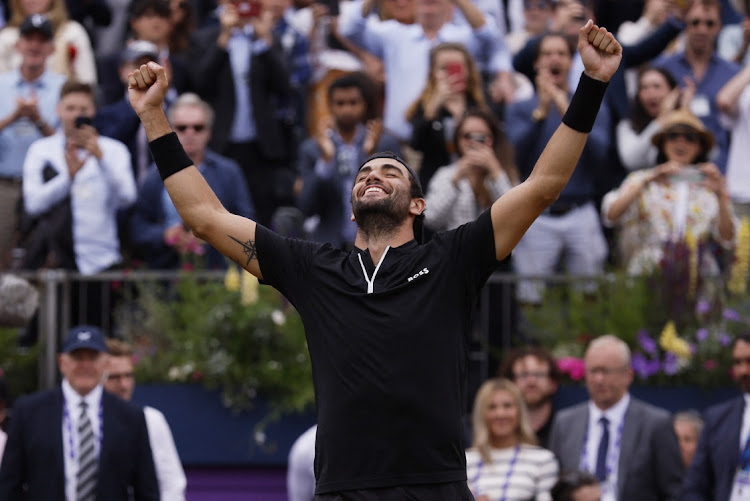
<point x="388" y="366"/>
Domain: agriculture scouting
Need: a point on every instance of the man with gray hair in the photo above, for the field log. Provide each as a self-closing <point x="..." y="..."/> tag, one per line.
<point x="628" y="445"/>
<point x="157" y="231"/>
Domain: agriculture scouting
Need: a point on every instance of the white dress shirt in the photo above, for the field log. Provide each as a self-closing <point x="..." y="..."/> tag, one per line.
<point x="169" y="470"/>
<point x="616" y="416"/>
<point x="70" y="422"/>
<point x="96" y="192"/>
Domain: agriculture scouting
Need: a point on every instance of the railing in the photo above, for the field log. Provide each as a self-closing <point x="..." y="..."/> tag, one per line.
<point x="495" y="326"/>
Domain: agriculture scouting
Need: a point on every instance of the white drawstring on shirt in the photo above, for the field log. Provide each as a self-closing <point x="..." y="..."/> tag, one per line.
<point x="371" y="282"/>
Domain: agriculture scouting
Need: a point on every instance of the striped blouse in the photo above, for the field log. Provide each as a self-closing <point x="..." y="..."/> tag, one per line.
<point x="526" y="475"/>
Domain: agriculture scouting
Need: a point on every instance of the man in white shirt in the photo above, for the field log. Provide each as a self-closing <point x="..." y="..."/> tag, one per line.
<point x="628" y="445"/>
<point x="77" y="442"/>
<point x="93" y="171"/>
<point x="120" y="380"/>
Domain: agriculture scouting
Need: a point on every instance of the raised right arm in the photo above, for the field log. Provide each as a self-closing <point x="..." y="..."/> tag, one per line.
<point x="195" y="201"/>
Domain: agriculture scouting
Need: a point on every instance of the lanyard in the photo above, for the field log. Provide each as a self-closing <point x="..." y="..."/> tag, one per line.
<point x="508" y="474"/>
<point x="69" y="426"/>
<point x="612" y="455"/>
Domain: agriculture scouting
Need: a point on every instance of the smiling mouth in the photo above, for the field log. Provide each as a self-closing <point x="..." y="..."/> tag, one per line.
<point x="374" y="189"/>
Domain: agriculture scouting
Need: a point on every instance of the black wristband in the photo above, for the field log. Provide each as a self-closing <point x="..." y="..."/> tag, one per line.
<point x="585" y="104"/>
<point x="169" y="155"/>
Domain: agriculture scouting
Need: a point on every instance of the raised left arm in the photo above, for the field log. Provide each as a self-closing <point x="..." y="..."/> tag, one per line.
<point x="514" y="212"/>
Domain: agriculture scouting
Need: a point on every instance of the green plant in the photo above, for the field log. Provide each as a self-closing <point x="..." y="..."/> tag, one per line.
<point x="19" y="365"/>
<point x="245" y="340"/>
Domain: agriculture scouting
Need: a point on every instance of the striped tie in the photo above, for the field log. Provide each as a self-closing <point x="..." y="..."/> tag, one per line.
<point x="87" y="460"/>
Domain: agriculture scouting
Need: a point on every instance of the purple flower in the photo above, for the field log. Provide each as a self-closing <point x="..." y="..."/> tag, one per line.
<point x="724" y="339"/>
<point x="731" y="314"/>
<point x="648" y="344"/>
<point x="644" y="367"/>
<point x="701" y="335"/>
<point x="671" y="364"/>
<point x="702" y="307"/>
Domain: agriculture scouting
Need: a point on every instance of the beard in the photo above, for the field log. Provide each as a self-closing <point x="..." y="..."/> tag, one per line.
<point x="380" y="217"/>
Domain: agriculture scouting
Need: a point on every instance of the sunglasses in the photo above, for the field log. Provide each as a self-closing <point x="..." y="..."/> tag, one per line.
<point x="690" y="137"/>
<point x="710" y="23"/>
<point x="479" y="137"/>
<point x="195" y="127"/>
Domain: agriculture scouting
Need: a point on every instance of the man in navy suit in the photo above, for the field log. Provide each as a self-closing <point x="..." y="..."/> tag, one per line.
<point x="720" y="469"/>
<point x="52" y="434"/>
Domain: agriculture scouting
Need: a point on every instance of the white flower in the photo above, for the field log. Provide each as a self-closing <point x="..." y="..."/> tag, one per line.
<point x="260" y="438"/>
<point x="278" y="317"/>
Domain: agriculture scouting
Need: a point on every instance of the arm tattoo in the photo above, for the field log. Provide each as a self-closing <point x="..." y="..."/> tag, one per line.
<point x="248" y="248"/>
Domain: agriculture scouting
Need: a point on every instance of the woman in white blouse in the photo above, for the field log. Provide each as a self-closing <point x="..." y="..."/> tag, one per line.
<point x="73" y="55"/>
<point x="683" y="193"/>
<point x="505" y="463"/>
<point x="656" y="97"/>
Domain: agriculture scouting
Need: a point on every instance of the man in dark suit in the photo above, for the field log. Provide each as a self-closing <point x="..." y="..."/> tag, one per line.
<point x="239" y="69"/>
<point x="715" y="472"/>
<point x="629" y="445"/>
<point x="78" y="442"/>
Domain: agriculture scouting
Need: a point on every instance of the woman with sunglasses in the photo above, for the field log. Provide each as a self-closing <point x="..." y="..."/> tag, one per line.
<point x="460" y="192"/>
<point x="683" y="193"/>
<point x="504" y="462"/>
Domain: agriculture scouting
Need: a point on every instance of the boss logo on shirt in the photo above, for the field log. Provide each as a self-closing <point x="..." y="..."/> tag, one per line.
<point x="424" y="271"/>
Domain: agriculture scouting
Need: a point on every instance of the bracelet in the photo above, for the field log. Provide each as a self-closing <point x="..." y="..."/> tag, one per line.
<point x="169" y="155"/>
<point x="585" y="104"/>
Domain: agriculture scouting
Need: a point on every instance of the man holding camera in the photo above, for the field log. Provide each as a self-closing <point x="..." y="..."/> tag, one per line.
<point x="81" y="174"/>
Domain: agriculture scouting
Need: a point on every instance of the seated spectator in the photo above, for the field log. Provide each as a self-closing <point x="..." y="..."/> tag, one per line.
<point x="657" y="96"/>
<point x="27" y="113"/>
<point x="734" y="39"/>
<point x="734" y="102"/>
<point x="687" y="427"/>
<point x="329" y="160"/>
<point x="453" y="86"/>
<point x="73" y="55"/>
<point x="682" y="193"/>
<point x="534" y="371"/>
<point x="576" y="486"/>
<point x="629" y="445"/>
<point x="504" y="461"/>
<point x="460" y="192"/>
<point x="158" y="234"/>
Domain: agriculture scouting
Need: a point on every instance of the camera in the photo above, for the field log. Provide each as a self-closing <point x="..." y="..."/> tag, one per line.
<point x="81" y="121"/>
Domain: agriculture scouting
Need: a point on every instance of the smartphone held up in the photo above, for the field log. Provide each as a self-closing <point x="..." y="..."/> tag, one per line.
<point x="247" y="9"/>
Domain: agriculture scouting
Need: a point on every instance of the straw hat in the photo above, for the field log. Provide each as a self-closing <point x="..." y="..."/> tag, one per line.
<point x="686" y="118"/>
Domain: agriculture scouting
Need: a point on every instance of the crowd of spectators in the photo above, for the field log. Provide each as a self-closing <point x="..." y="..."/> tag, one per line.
<point x="295" y="94"/>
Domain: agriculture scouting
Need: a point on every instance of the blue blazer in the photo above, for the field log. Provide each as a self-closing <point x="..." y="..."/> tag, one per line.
<point x="224" y="177"/>
<point x="714" y="465"/>
<point x="33" y="464"/>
